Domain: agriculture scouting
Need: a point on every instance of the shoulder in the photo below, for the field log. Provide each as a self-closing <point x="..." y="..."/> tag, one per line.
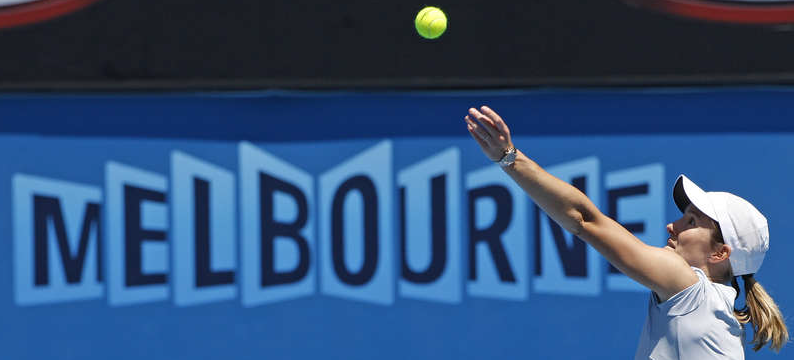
<point x="677" y="274"/>
<point x="689" y="298"/>
<point x="699" y="273"/>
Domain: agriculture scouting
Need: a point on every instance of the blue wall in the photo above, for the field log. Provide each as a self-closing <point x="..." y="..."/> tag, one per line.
<point x="560" y="300"/>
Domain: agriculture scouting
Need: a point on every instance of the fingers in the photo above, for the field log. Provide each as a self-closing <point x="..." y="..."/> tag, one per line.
<point x="477" y="137"/>
<point x="488" y="123"/>
<point x="478" y="132"/>
<point x="490" y="132"/>
<point x="500" y="124"/>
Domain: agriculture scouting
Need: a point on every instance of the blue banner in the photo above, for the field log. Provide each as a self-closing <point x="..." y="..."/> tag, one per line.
<point x="327" y="246"/>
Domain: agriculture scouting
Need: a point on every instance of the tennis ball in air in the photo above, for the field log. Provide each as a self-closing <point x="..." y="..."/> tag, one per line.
<point x="430" y="22"/>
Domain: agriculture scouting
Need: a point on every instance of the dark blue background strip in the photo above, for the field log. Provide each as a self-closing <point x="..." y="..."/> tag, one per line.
<point x="287" y="116"/>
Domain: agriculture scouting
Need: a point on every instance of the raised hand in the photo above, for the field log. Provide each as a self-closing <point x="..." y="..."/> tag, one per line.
<point x="490" y="131"/>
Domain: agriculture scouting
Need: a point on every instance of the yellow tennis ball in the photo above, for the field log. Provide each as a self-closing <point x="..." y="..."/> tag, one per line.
<point x="430" y="22"/>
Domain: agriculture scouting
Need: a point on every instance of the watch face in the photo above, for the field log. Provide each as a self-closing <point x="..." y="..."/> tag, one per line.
<point x="508" y="159"/>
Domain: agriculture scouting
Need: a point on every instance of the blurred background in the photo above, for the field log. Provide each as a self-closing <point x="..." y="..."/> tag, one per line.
<point x="294" y="179"/>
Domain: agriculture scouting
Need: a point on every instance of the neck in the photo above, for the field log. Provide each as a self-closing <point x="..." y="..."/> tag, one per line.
<point x="717" y="273"/>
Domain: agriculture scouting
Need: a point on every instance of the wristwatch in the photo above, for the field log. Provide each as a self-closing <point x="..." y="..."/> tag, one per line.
<point x="508" y="158"/>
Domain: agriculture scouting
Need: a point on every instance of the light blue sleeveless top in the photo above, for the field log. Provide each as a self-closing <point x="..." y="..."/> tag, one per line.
<point x="697" y="323"/>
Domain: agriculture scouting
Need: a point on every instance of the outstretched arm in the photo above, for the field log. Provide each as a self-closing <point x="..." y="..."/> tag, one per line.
<point x="663" y="271"/>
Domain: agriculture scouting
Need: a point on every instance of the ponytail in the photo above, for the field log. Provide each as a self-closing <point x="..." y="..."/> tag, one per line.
<point x="762" y="312"/>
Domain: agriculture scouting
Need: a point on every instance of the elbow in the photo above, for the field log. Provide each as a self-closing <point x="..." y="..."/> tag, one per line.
<point x="577" y="224"/>
<point x="581" y="222"/>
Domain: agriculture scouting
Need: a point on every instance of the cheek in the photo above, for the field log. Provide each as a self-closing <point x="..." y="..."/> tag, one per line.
<point x="685" y="237"/>
<point x="695" y="240"/>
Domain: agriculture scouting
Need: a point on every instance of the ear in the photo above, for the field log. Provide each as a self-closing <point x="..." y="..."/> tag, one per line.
<point x="722" y="253"/>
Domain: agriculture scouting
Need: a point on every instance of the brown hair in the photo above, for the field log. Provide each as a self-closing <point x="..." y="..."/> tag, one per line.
<point x="760" y="309"/>
<point x="762" y="312"/>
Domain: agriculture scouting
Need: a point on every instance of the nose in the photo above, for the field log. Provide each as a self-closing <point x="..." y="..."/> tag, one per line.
<point x="670" y="229"/>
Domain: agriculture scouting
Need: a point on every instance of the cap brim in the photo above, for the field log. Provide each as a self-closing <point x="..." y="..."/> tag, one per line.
<point x="685" y="192"/>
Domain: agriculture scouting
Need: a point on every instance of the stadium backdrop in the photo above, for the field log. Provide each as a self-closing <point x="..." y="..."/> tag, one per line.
<point x="298" y="225"/>
<point x="201" y="44"/>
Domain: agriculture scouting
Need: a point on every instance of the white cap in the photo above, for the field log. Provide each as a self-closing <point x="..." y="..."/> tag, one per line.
<point x="743" y="227"/>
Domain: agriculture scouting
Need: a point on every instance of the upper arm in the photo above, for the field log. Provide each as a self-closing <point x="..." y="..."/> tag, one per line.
<point x="661" y="270"/>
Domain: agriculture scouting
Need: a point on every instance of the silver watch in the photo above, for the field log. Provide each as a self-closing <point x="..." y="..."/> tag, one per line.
<point x="509" y="157"/>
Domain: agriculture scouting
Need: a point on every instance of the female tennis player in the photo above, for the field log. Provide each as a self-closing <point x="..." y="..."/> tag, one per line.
<point x="693" y="279"/>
